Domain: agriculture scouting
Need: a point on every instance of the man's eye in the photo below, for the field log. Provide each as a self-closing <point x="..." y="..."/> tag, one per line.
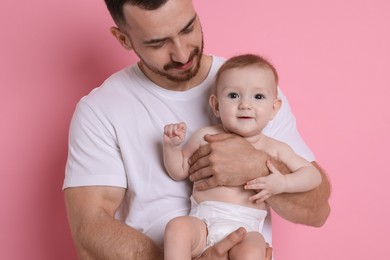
<point x="233" y="95"/>
<point x="188" y="29"/>
<point x="259" y="96"/>
<point x="156" y="46"/>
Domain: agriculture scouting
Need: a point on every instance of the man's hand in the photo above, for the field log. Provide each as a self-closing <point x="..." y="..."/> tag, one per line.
<point x="227" y="160"/>
<point x="221" y="250"/>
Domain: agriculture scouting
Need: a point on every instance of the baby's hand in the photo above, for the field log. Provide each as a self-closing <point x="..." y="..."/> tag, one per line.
<point x="174" y="134"/>
<point x="267" y="186"/>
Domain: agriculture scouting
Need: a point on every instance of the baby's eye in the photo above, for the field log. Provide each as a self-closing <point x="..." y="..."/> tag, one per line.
<point x="233" y="95"/>
<point x="259" y="96"/>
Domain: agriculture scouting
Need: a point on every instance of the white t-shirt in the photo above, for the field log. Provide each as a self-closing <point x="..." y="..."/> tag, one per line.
<point x="116" y="140"/>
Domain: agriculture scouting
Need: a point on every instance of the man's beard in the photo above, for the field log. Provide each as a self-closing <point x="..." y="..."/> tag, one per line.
<point x="196" y="54"/>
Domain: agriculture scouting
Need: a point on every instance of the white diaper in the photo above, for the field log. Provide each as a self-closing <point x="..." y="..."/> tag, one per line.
<point x="223" y="218"/>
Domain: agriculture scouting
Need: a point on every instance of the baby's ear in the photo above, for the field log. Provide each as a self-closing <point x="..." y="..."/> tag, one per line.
<point x="213" y="101"/>
<point x="275" y="107"/>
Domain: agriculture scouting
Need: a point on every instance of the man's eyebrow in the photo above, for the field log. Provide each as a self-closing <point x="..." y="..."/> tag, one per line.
<point x="189" y="23"/>
<point x="164" y="39"/>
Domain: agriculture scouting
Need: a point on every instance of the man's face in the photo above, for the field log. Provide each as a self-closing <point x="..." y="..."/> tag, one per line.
<point x="168" y="40"/>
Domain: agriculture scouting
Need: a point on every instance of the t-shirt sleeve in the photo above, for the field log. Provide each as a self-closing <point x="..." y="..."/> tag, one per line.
<point x="94" y="157"/>
<point x="284" y="128"/>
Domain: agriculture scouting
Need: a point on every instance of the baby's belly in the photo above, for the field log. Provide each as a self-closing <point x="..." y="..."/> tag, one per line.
<point x="235" y="195"/>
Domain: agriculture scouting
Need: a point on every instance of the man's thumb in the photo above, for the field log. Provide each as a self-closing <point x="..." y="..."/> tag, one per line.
<point x="230" y="241"/>
<point x="217" y="137"/>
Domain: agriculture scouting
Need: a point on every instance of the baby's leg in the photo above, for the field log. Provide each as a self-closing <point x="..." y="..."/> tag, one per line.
<point x="184" y="238"/>
<point x="252" y="247"/>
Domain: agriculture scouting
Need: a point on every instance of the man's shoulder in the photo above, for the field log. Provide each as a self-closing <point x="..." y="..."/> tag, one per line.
<point x="114" y="85"/>
<point x="122" y="76"/>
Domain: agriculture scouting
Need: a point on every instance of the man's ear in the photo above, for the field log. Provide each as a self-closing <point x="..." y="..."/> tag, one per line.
<point x="275" y="107"/>
<point x="213" y="101"/>
<point x="122" y="38"/>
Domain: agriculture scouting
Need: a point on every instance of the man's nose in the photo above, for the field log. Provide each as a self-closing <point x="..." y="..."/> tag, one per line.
<point x="179" y="52"/>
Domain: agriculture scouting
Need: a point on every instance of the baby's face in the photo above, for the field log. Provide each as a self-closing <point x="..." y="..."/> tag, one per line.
<point x="246" y="99"/>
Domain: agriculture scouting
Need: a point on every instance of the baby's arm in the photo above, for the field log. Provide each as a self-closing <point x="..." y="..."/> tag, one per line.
<point x="174" y="135"/>
<point x="304" y="176"/>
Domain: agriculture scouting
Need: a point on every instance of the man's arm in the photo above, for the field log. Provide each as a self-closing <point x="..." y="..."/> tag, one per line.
<point x="97" y="234"/>
<point x="309" y="208"/>
<point x="226" y="155"/>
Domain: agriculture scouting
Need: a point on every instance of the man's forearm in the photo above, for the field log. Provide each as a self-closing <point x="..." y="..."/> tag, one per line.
<point x="110" y="239"/>
<point x="308" y="208"/>
<point x="97" y="234"/>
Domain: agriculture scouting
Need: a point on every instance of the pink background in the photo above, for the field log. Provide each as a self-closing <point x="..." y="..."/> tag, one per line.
<point x="333" y="59"/>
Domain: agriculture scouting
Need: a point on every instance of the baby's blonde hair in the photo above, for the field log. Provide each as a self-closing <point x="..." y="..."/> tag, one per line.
<point x="246" y="60"/>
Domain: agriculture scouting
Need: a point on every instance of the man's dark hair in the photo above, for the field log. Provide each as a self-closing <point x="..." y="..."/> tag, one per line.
<point x="115" y="7"/>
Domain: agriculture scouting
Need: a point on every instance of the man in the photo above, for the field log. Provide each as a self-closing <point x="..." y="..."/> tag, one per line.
<point x="118" y="196"/>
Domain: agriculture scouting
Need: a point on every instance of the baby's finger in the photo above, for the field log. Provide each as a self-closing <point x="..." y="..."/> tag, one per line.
<point x="257" y="180"/>
<point x="271" y="167"/>
<point x="171" y="130"/>
<point x="256" y="186"/>
<point x="167" y="130"/>
<point x="182" y="126"/>
<point x="259" y="196"/>
<point x="263" y="199"/>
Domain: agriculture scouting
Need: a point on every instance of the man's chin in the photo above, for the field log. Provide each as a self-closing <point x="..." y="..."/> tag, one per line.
<point x="182" y="76"/>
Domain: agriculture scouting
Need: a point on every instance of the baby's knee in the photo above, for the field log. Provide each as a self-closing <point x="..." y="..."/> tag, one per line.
<point x="175" y="225"/>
